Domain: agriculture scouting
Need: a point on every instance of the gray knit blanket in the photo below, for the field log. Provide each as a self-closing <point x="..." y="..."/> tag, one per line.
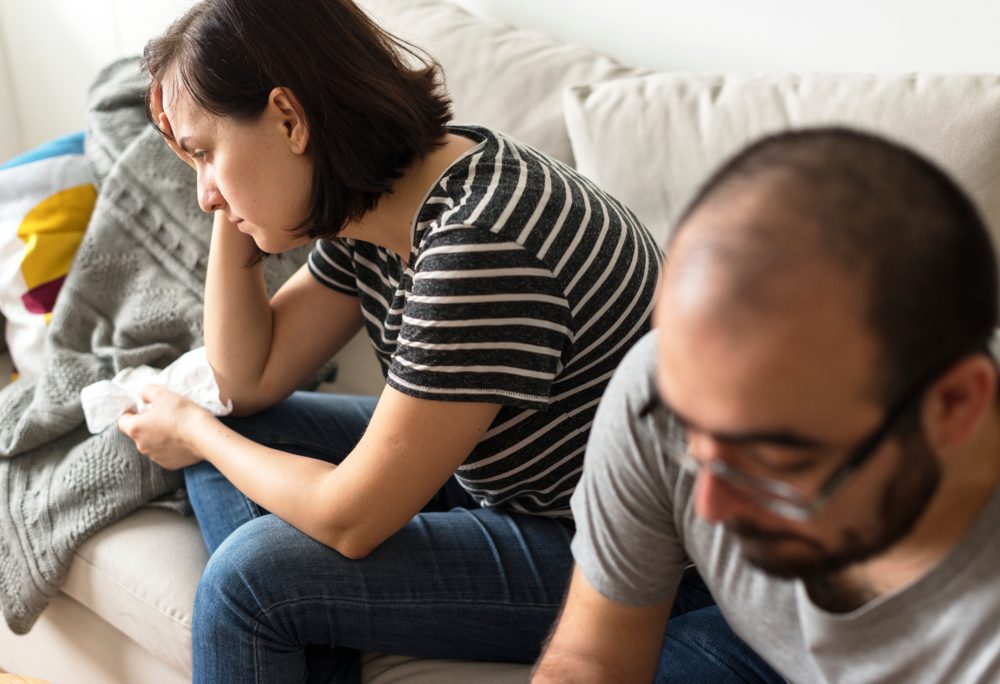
<point x="132" y="297"/>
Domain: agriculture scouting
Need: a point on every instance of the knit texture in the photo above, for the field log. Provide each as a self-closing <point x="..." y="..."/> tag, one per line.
<point x="133" y="296"/>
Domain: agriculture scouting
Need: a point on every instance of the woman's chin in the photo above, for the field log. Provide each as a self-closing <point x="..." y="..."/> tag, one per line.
<point x="269" y="243"/>
<point x="269" y="248"/>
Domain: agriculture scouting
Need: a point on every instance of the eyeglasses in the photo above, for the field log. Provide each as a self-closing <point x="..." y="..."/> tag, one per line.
<point x="775" y="495"/>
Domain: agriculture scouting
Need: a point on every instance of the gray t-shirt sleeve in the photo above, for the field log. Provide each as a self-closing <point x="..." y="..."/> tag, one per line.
<point x="627" y="544"/>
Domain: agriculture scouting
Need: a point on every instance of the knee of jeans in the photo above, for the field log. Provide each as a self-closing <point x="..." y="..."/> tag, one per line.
<point x="238" y="573"/>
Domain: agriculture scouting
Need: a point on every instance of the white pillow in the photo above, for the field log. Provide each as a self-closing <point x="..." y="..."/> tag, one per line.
<point x="651" y="141"/>
<point x="46" y="198"/>
<point x="498" y="76"/>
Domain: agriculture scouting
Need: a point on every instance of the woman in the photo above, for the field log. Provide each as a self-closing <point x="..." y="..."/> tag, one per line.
<point x="499" y="290"/>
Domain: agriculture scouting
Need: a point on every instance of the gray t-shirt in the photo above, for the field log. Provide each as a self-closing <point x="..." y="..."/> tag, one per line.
<point x="636" y="531"/>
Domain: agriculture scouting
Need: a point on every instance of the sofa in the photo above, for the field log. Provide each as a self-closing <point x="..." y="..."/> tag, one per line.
<point x="124" y="611"/>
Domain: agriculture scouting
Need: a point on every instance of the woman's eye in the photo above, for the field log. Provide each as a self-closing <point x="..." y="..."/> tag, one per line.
<point x="198" y="154"/>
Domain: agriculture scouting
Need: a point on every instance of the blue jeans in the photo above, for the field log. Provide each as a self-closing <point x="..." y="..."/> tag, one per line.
<point x="458" y="581"/>
<point x="701" y="648"/>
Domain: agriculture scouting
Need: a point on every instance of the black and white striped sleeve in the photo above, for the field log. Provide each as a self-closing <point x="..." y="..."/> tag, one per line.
<point x="486" y="321"/>
<point x="332" y="264"/>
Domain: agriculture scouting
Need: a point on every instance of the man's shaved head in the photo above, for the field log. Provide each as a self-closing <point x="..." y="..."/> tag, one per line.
<point x="908" y="245"/>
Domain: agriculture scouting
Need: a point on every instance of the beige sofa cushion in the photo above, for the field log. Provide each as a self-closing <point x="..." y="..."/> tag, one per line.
<point x="652" y="140"/>
<point x="140" y="575"/>
<point x="71" y="645"/>
<point x="506" y="78"/>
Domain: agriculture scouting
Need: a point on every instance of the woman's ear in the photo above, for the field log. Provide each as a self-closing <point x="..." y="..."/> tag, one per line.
<point x="290" y="115"/>
<point x="958" y="401"/>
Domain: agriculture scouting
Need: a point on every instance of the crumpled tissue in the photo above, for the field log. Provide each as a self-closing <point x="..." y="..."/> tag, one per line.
<point x="190" y="376"/>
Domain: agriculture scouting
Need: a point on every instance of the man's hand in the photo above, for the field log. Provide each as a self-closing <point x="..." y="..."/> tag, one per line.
<point x="162" y="432"/>
<point x="598" y="640"/>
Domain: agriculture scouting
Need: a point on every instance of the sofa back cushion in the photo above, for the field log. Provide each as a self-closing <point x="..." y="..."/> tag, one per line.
<point x="502" y="77"/>
<point x="651" y="141"/>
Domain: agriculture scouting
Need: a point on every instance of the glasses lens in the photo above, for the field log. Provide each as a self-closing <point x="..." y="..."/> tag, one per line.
<point x="785" y="498"/>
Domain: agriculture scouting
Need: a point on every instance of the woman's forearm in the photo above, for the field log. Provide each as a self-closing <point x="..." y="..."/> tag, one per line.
<point x="290" y="486"/>
<point x="238" y="320"/>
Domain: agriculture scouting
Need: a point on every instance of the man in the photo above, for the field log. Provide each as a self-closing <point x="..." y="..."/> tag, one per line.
<point x="814" y="424"/>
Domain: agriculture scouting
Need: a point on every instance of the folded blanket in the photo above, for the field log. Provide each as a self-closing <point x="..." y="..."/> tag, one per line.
<point x="133" y="297"/>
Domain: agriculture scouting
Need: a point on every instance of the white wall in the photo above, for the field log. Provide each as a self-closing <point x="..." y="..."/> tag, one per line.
<point x="10" y="136"/>
<point x="54" y="48"/>
<point x="772" y="35"/>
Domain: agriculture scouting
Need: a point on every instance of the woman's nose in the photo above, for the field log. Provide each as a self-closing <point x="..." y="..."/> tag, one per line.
<point x="209" y="198"/>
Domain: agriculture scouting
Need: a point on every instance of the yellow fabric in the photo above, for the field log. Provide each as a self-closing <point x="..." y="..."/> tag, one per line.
<point x="52" y="232"/>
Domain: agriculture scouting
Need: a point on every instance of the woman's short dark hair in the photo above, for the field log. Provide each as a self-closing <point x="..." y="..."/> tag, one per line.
<point x="373" y="103"/>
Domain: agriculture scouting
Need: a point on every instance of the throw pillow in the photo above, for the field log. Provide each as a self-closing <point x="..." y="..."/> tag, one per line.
<point x="498" y="76"/>
<point x="652" y="141"/>
<point x="46" y="198"/>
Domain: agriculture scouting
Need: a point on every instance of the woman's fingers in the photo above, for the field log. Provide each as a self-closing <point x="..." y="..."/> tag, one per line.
<point x="169" y="137"/>
<point x="168" y="132"/>
<point x="156" y="107"/>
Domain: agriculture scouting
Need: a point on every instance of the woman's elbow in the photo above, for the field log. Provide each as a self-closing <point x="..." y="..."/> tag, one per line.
<point x="355" y="551"/>
<point x="355" y="544"/>
<point x="250" y="400"/>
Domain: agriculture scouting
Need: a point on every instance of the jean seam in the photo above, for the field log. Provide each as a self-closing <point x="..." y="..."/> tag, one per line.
<point x="395" y="602"/>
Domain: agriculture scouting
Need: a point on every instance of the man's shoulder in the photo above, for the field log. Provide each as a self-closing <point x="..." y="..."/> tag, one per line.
<point x="634" y="376"/>
<point x="616" y="435"/>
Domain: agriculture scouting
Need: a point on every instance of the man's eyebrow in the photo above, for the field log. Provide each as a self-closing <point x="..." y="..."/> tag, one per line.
<point x="778" y="437"/>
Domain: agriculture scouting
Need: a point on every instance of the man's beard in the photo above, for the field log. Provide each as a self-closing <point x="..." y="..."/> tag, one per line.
<point x="904" y="499"/>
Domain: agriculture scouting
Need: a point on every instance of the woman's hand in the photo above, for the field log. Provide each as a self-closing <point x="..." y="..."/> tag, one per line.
<point x="160" y="116"/>
<point x="164" y="431"/>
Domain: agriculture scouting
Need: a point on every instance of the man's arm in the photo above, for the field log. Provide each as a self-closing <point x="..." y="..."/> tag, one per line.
<point x="598" y="640"/>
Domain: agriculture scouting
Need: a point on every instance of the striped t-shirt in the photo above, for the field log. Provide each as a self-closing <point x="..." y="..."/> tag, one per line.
<point x="525" y="286"/>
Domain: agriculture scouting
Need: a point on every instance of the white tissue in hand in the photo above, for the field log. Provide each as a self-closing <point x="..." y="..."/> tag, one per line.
<point x="190" y="376"/>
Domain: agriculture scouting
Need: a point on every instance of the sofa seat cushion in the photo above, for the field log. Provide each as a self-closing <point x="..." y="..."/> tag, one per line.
<point x="69" y="644"/>
<point x="676" y="128"/>
<point x="140" y="575"/>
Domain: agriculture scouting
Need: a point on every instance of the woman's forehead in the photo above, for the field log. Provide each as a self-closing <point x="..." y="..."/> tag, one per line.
<point x="176" y="97"/>
<point x="180" y="107"/>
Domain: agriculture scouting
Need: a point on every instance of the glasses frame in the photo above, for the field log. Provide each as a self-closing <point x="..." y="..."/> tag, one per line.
<point x="784" y="499"/>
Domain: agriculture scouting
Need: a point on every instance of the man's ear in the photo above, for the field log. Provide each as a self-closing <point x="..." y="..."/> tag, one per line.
<point x="959" y="400"/>
<point x="290" y="115"/>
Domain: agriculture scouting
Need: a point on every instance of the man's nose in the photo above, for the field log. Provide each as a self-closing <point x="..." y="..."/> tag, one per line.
<point x="714" y="500"/>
